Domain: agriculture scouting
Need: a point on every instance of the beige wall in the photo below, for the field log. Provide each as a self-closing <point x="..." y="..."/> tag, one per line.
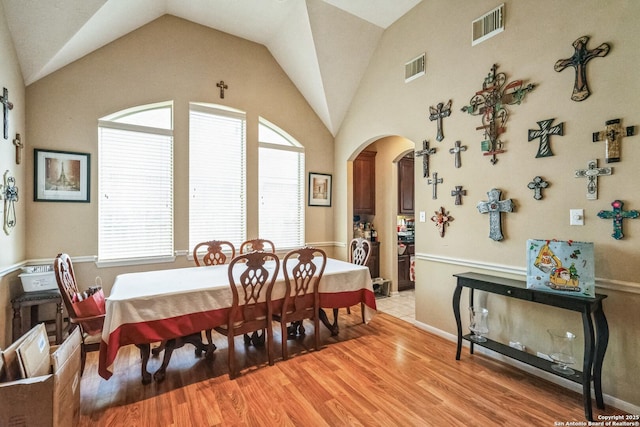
<point x="537" y="35"/>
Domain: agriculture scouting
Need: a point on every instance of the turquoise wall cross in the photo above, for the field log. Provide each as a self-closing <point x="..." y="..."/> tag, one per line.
<point x="617" y="214"/>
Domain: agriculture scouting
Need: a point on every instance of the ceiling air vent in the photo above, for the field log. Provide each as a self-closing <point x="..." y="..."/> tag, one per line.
<point x="414" y="68"/>
<point x="487" y="25"/>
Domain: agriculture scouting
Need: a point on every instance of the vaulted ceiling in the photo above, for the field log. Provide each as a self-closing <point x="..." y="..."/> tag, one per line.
<point x="324" y="46"/>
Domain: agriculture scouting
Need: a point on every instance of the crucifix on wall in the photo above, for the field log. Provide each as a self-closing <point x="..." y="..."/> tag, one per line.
<point x="494" y="206"/>
<point x="222" y="87"/>
<point x="612" y="136"/>
<point x="435" y="181"/>
<point x="6" y="106"/>
<point x="438" y="113"/>
<point x="592" y="173"/>
<point x="425" y="153"/>
<point x="458" y="192"/>
<point x="579" y="61"/>
<point x="456" y="150"/>
<point x="19" y="146"/>
<point x="618" y="214"/>
<point x="544" y="149"/>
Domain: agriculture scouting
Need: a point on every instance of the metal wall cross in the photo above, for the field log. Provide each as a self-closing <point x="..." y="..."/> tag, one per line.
<point x="456" y="150"/>
<point x="425" y="152"/>
<point x="440" y="112"/>
<point x="579" y="61"/>
<point x="592" y="173"/>
<point x="9" y="192"/>
<point x="435" y="181"/>
<point x="494" y="206"/>
<point x="19" y="146"/>
<point x="544" y="149"/>
<point x="6" y="106"/>
<point x="617" y="214"/>
<point x="537" y="185"/>
<point x="458" y="192"/>
<point x="612" y="136"/>
<point x="222" y="87"/>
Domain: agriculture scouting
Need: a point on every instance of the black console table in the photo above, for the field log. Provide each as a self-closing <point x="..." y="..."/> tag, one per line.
<point x="595" y="344"/>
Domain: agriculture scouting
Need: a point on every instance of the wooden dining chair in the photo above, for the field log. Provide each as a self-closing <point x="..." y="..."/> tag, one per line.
<point x="251" y="283"/>
<point x="303" y="269"/>
<point x="90" y="326"/>
<point x="257" y="245"/>
<point x="359" y="252"/>
<point x="215" y="253"/>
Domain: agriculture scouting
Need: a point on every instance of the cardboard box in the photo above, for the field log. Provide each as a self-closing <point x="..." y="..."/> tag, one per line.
<point x="46" y="400"/>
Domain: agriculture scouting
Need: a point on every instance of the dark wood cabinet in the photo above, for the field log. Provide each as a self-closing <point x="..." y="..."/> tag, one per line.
<point x="364" y="184"/>
<point x="406" y="185"/>
<point x="374" y="260"/>
<point x="404" y="269"/>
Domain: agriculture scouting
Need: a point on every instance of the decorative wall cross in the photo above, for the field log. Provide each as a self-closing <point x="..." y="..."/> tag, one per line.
<point x="592" y="173"/>
<point x="222" y="87"/>
<point x="494" y="206"/>
<point x="579" y="61"/>
<point x="425" y="152"/>
<point x="489" y="103"/>
<point x="617" y="214"/>
<point x="612" y="136"/>
<point x="19" y="146"/>
<point x="440" y="112"/>
<point x="9" y="192"/>
<point x="537" y="185"/>
<point x="435" y="181"/>
<point x="458" y="192"/>
<point x="544" y="149"/>
<point x="456" y="150"/>
<point x="441" y="219"/>
<point x="6" y="106"/>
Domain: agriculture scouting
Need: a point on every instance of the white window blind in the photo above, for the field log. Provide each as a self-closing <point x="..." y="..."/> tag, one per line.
<point x="281" y="184"/>
<point x="217" y="170"/>
<point x="135" y="180"/>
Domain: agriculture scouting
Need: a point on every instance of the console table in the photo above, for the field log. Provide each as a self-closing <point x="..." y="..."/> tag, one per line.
<point x="595" y="344"/>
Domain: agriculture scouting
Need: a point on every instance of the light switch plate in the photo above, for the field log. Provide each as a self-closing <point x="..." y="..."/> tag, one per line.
<point x="423" y="216"/>
<point x="576" y="216"/>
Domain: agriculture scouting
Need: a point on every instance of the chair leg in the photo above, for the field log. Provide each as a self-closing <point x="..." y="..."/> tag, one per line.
<point x="161" y="373"/>
<point x="145" y="351"/>
<point x="362" y="310"/>
<point x="231" y="353"/>
<point x="284" y="333"/>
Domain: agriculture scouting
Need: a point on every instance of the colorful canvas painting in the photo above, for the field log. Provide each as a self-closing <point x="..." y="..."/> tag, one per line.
<point x="565" y="267"/>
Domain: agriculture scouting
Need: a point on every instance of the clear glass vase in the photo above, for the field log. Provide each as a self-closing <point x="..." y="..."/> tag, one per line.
<point x="478" y="323"/>
<point x="562" y="351"/>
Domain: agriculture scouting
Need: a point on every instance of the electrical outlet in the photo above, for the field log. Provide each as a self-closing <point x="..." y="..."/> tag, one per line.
<point x="423" y="216"/>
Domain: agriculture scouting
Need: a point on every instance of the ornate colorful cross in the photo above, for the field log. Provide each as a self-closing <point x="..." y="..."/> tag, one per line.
<point x="440" y="112"/>
<point x="425" y="152"/>
<point x="6" y="106"/>
<point x="537" y="185"/>
<point x="489" y="103"/>
<point x="435" y="181"/>
<point x="544" y="149"/>
<point x="579" y="61"/>
<point x="222" y="87"/>
<point x="592" y="173"/>
<point x="617" y="214"/>
<point x="442" y="219"/>
<point x="458" y="192"/>
<point x="494" y="206"/>
<point x="612" y="136"/>
<point x="456" y="150"/>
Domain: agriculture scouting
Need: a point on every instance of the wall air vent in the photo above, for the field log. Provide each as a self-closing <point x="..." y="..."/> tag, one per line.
<point x="414" y="68"/>
<point x="487" y="25"/>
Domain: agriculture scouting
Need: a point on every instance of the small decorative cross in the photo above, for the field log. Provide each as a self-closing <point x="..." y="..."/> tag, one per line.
<point x="579" y="61"/>
<point x="592" y="173"/>
<point x="435" y="181"/>
<point x="442" y="219"/>
<point x="6" y="106"/>
<point x="544" y="149"/>
<point x="537" y="185"/>
<point x="458" y="193"/>
<point x="617" y="214"/>
<point x="440" y="112"/>
<point x="222" y="87"/>
<point x="612" y="136"/>
<point x="425" y="152"/>
<point x="19" y="146"/>
<point x="494" y="206"/>
<point x="456" y="150"/>
<point x="10" y="194"/>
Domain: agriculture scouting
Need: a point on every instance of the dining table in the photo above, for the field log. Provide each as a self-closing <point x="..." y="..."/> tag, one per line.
<point x="160" y="305"/>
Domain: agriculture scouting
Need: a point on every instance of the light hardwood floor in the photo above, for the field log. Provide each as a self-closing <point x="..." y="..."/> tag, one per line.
<point x="385" y="373"/>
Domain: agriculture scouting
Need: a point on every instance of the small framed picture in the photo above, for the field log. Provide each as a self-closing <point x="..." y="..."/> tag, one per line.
<point x="61" y="176"/>
<point x="319" y="189"/>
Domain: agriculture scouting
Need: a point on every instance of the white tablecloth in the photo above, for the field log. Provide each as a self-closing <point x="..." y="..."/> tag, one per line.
<point x="158" y="305"/>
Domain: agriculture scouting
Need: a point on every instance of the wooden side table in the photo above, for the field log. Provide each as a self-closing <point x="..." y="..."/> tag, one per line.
<point x="35" y="300"/>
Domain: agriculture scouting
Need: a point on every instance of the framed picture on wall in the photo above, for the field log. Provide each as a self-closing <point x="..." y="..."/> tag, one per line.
<point x="319" y="189"/>
<point x="61" y="176"/>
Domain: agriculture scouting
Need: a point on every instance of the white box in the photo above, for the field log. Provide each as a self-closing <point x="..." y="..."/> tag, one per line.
<point x="32" y="282"/>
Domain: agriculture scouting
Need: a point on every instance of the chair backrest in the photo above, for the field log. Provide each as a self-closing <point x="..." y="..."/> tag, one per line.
<point x="303" y="269"/>
<point x="359" y="251"/>
<point x="257" y="245"/>
<point x="215" y="252"/>
<point x="251" y="283"/>
<point x="63" y="268"/>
